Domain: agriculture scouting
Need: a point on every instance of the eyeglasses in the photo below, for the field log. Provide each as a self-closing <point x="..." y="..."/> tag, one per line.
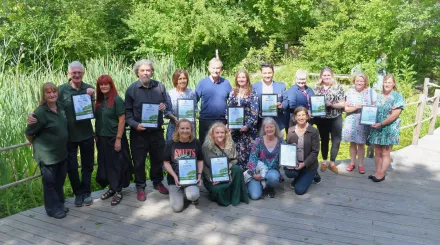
<point x="300" y="82"/>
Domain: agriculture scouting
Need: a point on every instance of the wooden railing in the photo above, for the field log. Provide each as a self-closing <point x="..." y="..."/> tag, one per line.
<point x="423" y="98"/>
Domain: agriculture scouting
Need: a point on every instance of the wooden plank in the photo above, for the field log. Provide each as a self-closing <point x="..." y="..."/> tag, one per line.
<point x="7" y="239"/>
<point x="26" y="236"/>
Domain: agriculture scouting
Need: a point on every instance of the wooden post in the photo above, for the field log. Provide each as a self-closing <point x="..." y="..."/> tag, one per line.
<point x="425" y="87"/>
<point x="434" y="112"/>
<point x="419" y="117"/>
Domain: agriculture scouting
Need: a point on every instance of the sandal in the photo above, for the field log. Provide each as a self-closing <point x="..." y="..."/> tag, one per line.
<point x="107" y="194"/>
<point x="351" y="166"/>
<point x="361" y="169"/>
<point x="116" y="199"/>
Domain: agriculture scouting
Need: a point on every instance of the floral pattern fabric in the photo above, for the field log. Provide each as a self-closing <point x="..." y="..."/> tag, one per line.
<point x="333" y="94"/>
<point x="245" y="140"/>
<point x="388" y="134"/>
<point x="259" y="152"/>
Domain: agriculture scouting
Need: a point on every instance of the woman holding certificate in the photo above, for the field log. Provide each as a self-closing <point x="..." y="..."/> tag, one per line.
<point x="386" y="132"/>
<point x="354" y="131"/>
<point x="181" y="97"/>
<point x="221" y="176"/>
<point x="183" y="161"/>
<point x="264" y="160"/>
<point x="306" y="139"/>
<point x="244" y="96"/>
<point x="114" y="161"/>
<point x="331" y="122"/>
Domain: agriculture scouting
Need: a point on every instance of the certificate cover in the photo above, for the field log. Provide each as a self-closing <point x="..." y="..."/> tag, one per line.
<point x="150" y="115"/>
<point x="288" y="156"/>
<point x="269" y="105"/>
<point x="220" y="169"/>
<point x="317" y="103"/>
<point x="187" y="171"/>
<point x="186" y="109"/>
<point x="368" y="115"/>
<point x="82" y="107"/>
<point x="235" y="117"/>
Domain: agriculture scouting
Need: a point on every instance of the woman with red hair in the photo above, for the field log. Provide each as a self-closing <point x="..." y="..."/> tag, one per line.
<point x="113" y="154"/>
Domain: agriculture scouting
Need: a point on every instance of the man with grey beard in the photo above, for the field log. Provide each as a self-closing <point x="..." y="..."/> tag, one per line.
<point x="144" y="140"/>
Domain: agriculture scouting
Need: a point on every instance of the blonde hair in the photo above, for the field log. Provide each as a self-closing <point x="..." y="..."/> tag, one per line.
<point x="209" y="140"/>
<point x="322" y="72"/>
<point x="364" y="76"/>
<point x="389" y="76"/>
<point x="176" y="134"/>
<point x="269" y="120"/>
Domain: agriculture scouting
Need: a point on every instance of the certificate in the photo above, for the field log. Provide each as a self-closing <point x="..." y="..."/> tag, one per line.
<point x="187" y="171"/>
<point x="150" y="115"/>
<point x="368" y="115"/>
<point x="288" y="156"/>
<point x="235" y="117"/>
<point x="220" y="169"/>
<point x="317" y="103"/>
<point x="82" y="106"/>
<point x="185" y="109"/>
<point x="269" y="106"/>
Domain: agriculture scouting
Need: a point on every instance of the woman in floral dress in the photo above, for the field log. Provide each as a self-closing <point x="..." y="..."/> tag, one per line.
<point x="243" y="95"/>
<point x="386" y="132"/>
<point x="353" y="131"/>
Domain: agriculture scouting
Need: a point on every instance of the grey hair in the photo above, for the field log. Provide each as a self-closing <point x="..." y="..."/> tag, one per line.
<point x="75" y="64"/>
<point x="300" y="71"/>
<point x="215" y="60"/>
<point x="141" y="63"/>
<point x="269" y="120"/>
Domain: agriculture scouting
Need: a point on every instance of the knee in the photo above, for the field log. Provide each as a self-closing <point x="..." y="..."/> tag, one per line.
<point x="291" y="173"/>
<point x="300" y="190"/>
<point x="177" y="207"/>
<point x="236" y="170"/>
<point x="255" y="195"/>
<point x="272" y="177"/>
<point x="193" y="195"/>
<point x="255" y="189"/>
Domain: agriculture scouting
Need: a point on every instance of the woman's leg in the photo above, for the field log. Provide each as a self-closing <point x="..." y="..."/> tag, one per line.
<point x="192" y="193"/>
<point x="272" y="178"/>
<point x="336" y="133"/>
<point x="176" y="198"/>
<point x="378" y="159"/>
<point x="255" y="189"/>
<point x="361" y="154"/>
<point x="353" y="153"/>
<point x="324" y="131"/>
<point x="386" y="161"/>
<point x="303" y="181"/>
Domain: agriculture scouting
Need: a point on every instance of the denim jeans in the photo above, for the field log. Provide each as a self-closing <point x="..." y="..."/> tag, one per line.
<point x="302" y="180"/>
<point x="255" y="188"/>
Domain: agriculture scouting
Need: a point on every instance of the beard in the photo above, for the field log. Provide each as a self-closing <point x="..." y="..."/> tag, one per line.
<point x="145" y="81"/>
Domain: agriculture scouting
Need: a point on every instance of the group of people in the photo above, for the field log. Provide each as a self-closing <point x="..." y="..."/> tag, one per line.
<point x="252" y="151"/>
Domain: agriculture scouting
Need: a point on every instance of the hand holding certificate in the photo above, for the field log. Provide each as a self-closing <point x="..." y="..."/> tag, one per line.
<point x="235" y="117"/>
<point x="82" y="107"/>
<point x="186" y="109"/>
<point x="369" y="115"/>
<point x="220" y="169"/>
<point x="150" y="115"/>
<point x="269" y="105"/>
<point x="288" y="156"/>
<point x="317" y="103"/>
<point x="187" y="171"/>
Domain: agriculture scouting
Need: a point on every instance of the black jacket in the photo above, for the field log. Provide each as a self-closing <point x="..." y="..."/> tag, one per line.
<point x="311" y="146"/>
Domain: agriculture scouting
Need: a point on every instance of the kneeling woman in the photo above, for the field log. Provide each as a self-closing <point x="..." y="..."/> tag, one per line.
<point x="183" y="145"/>
<point x="48" y="137"/>
<point x="114" y="165"/>
<point x="265" y="159"/>
<point x="218" y="143"/>
<point x="306" y="139"/>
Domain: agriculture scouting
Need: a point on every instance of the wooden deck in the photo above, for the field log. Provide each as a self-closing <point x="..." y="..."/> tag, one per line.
<point x="344" y="209"/>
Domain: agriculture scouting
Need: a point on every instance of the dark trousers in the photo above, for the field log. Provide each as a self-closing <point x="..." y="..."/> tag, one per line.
<point x="142" y="143"/>
<point x="302" y="181"/>
<point x="87" y="148"/>
<point x="204" y="126"/>
<point x="327" y="127"/>
<point x="53" y="177"/>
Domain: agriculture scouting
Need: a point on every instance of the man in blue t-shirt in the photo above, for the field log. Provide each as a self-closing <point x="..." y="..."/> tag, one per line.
<point x="214" y="91"/>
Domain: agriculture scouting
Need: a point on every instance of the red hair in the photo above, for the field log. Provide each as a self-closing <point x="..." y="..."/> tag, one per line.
<point x="105" y="79"/>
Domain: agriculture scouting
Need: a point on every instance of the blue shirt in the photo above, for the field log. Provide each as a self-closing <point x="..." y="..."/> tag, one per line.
<point x="294" y="98"/>
<point x="214" y="96"/>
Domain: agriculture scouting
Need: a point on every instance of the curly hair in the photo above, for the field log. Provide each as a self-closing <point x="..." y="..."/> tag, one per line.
<point x="210" y="142"/>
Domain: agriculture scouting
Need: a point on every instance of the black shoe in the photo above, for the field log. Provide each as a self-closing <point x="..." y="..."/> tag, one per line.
<point x="317" y="179"/>
<point x="271" y="192"/>
<point x="66" y="210"/>
<point x="370" y="176"/>
<point x="79" y="201"/>
<point x="374" y="179"/>
<point x="87" y="200"/>
<point x="292" y="185"/>
<point x="58" y="214"/>
<point x="196" y="202"/>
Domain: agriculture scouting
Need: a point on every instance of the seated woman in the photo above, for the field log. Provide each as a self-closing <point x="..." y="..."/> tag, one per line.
<point x="183" y="145"/>
<point x="48" y="137"/>
<point x="218" y="143"/>
<point x="306" y="138"/>
<point x="265" y="154"/>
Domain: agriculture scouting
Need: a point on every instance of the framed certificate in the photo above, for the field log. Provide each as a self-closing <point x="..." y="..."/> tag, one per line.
<point x="186" y="109"/>
<point x="317" y="103"/>
<point x="82" y="107"/>
<point x="150" y="115"/>
<point x="368" y="115"/>
<point x="288" y="156"/>
<point x="187" y="171"/>
<point x="235" y="117"/>
<point x="220" y="169"/>
<point x="269" y="106"/>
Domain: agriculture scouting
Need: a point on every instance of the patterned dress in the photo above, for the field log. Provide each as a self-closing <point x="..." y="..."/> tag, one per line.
<point x="174" y="95"/>
<point x="388" y="134"/>
<point x="245" y="140"/>
<point x="352" y="130"/>
<point x="259" y="152"/>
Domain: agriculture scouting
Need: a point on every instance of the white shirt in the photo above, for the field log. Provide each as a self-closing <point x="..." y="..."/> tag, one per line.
<point x="267" y="89"/>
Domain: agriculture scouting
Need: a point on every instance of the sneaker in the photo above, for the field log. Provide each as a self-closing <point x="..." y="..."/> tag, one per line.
<point x="317" y="179"/>
<point x="196" y="202"/>
<point x="292" y="185"/>
<point x="58" y="214"/>
<point x="66" y="210"/>
<point x="88" y="200"/>
<point x="141" y="196"/>
<point x="271" y="192"/>
<point x="79" y="201"/>
<point x="161" y="188"/>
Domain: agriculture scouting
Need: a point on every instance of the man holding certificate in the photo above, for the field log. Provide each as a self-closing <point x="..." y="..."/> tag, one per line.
<point x="145" y="102"/>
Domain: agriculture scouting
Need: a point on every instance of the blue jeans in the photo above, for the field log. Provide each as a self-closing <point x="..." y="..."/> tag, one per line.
<point x="255" y="188"/>
<point x="302" y="181"/>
